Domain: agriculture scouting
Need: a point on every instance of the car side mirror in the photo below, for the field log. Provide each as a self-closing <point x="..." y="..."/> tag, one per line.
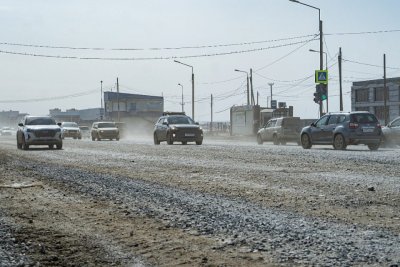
<point x="59" y="124"/>
<point x="197" y="123"/>
<point x="20" y="124"/>
<point x="165" y="123"/>
<point x="313" y="124"/>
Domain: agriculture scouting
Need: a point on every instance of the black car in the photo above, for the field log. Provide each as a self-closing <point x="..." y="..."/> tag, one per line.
<point x="177" y="127"/>
<point x="341" y="129"/>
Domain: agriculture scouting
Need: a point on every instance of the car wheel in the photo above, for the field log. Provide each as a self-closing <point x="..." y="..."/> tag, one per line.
<point x="117" y="138"/>
<point x="24" y="145"/>
<point x="199" y="142"/>
<point x="93" y="138"/>
<point x="156" y="141"/>
<point x="169" y="140"/>
<point x="339" y="142"/>
<point x="259" y="139"/>
<point x="59" y="146"/>
<point x="80" y="137"/>
<point x="305" y="141"/>
<point x="184" y="143"/>
<point x="283" y="142"/>
<point x="51" y="146"/>
<point x="19" y="145"/>
<point x="98" y="138"/>
<point x="275" y="140"/>
<point x="373" y="147"/>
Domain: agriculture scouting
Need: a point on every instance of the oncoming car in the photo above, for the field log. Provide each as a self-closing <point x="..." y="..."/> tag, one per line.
<point x="70" y="129"/>
<point x="35" y="130"/>
<point x="104" y="130"/>
<point x="342" y="129"/>
<point x="177" y="127"/>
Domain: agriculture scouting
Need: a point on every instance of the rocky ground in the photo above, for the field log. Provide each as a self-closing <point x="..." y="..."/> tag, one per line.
<point x="225" y="203"/>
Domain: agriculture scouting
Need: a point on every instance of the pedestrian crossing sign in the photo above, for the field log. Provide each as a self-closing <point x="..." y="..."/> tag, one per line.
<point x="321" y="76"/>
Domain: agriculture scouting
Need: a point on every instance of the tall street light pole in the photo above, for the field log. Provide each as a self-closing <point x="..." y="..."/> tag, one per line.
<point x="182" y="96"/>
<point x="248" y="90"/>
<point x="192" y="85"/>
<point x="321" y="48"/>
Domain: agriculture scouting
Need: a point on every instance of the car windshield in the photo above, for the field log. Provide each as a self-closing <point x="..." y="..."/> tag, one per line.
<point x="107" y="125"/>
<point x="69" y="124"/>
<point x="40" y="121"/>
<point x="180" y="120"/>
<point x="84" y="127"/>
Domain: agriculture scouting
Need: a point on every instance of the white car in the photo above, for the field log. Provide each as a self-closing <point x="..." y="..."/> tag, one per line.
<point x="6" y="131"/>
<point x="391" y="132"/>
<point x="70" y="129"/>
<point x="35" y="130"/>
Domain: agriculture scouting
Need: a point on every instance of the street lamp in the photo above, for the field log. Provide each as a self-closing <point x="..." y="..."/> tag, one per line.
<point x="321" y="48"/>
<point x="326" y="57"/>
<point x="182" y="96"/>
<point x="192" y="85"/>
<point x="248" y="93"/>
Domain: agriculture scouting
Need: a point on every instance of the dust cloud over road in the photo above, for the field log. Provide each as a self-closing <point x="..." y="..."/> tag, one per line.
<point x="224" y="203"/>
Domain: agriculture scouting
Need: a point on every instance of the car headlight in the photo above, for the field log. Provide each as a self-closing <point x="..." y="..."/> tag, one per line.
<point x="173" y="128"/>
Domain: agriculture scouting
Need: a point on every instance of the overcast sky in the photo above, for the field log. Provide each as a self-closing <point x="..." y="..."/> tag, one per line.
<point x="273" y="37"/>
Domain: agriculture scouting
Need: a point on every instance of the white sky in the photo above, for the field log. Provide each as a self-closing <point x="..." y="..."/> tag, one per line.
<point x="75" y="83"/>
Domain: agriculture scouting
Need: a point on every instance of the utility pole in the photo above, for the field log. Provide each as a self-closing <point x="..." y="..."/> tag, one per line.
<point x="251" y="86"/>
<point x="270" y="85"/>
<point x="257" y="97"/>
<point x="340" y="78"/>
<point x="118" y="98"/>
<point x="385" y="92"/>
<point x="211" y="125"/>
<point x="101" y="100"/>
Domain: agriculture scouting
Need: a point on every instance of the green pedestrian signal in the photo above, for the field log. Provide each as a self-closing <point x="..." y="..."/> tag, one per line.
<point x="322" y="90"/>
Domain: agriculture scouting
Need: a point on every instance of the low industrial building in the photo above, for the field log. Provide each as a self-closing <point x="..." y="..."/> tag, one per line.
<point x="369" y="96"/>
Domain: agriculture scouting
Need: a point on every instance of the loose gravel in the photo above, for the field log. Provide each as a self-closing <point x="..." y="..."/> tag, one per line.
<point x="315" y="207"/>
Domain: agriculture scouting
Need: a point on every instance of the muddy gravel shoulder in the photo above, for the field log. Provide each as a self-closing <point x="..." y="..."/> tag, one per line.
<point x="211" y="205"/>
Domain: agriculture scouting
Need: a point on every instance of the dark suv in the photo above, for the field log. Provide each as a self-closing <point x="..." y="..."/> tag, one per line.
<point x="177" y="127"/>
<point x="343" y="129"/>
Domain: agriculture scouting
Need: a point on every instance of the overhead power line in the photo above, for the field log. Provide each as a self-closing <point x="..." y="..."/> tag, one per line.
<point x="156" y="48"/>
<point x="367" y="64"/>
<point x="155" y="58"/>
<point x="50" y="98"/>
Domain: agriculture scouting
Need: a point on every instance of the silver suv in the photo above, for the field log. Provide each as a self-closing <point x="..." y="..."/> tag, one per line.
<point x="104" y="130"/>
<point x="39" y="131"/>
<point x="280" y="131"/>
<point x="343" y="129"/>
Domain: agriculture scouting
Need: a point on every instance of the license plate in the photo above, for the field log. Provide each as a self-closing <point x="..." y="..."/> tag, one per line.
<point x="189" y="134"/>
<point x="368" y="130"/>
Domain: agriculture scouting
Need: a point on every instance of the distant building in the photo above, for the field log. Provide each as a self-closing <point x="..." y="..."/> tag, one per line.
<point x="369" y="96"/>
<point x="138" y="112"/>
<point x="10" y="118"/>
<point x="132" y="105"/>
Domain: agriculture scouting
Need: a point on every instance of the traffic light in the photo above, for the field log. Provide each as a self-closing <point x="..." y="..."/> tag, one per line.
<point x="317" y="94"/>
<point x="323" y="91"/>
<point x="317" y="98"/>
